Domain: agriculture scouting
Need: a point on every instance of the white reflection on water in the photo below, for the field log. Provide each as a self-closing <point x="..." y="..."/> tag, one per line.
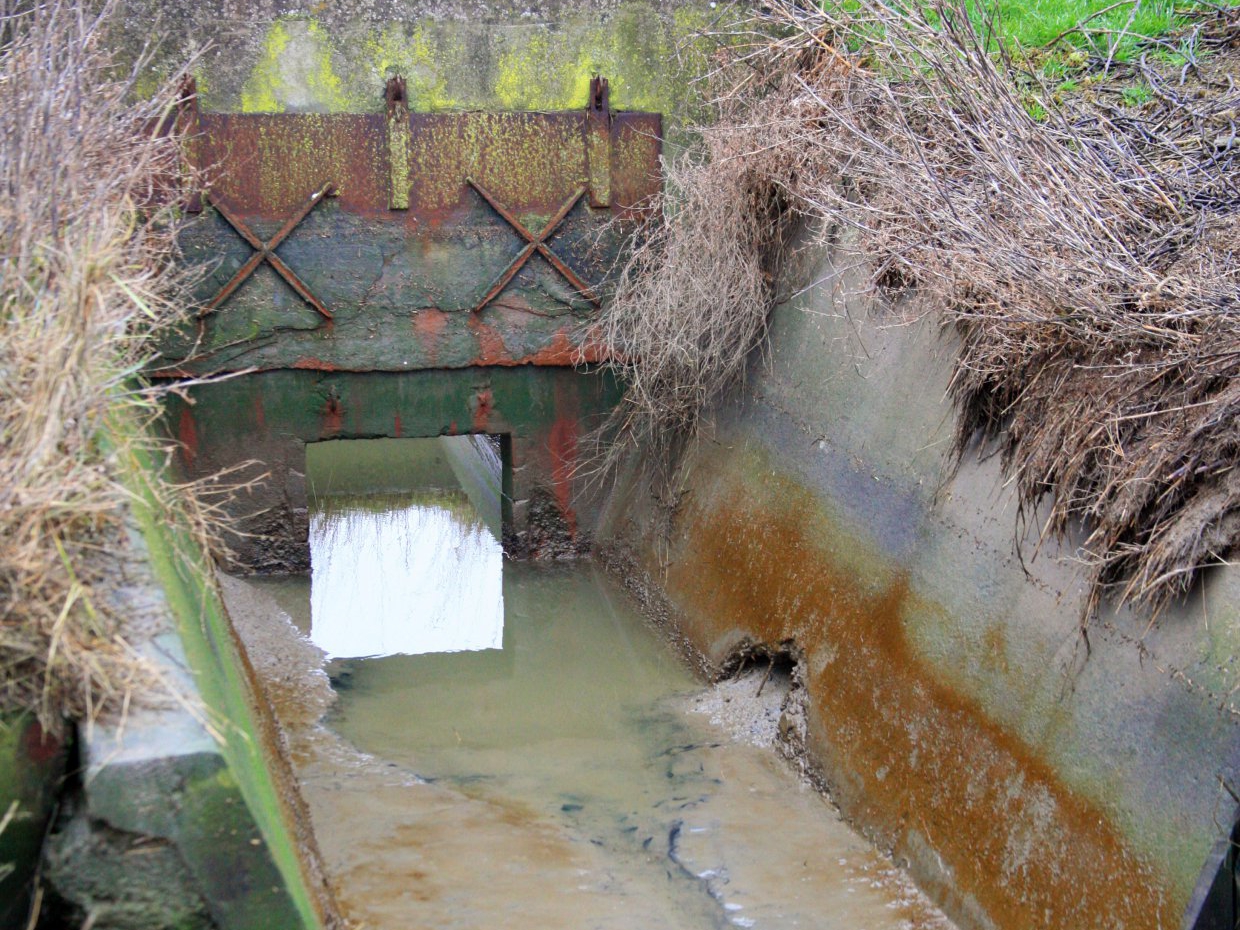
<point x="403" y="575"/>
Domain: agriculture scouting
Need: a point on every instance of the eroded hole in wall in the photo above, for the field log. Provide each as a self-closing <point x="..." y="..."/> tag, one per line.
<point x="760" y="696"/>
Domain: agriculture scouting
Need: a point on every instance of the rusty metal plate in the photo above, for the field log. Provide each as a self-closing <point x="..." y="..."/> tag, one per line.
<point x="397" y="241"/>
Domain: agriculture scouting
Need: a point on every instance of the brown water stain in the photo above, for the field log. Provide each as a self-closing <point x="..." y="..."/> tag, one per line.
<point x="982" y="818"/>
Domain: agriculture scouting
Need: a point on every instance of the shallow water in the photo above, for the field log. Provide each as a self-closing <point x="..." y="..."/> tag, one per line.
<point x="576" y="777"/>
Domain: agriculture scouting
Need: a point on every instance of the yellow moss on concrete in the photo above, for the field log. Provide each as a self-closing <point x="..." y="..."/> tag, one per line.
<point x="294" y="72"/>
<point x="529" y="77"/>
<point x="423" y="57"/>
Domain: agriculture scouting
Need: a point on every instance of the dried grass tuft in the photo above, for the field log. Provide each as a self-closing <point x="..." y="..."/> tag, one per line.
<point x="86" y="277"/>
<point x="1083" y="252"/>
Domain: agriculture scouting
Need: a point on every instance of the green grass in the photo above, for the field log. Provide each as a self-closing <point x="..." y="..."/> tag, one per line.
<point x="1041" y="32"/>
<point x="1032" y="24"/>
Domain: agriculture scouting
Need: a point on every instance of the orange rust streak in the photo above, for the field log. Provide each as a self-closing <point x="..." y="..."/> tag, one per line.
<point x="333" y="418"/>
<point x="560" y="352"/>
<point x="307" y="363"/>
<point x="429" y="325"/>
<point x="482" y="410"/>
<point x="914" y="756"/>
<point x="491" y="348"/>
<point x="187" y="433"/>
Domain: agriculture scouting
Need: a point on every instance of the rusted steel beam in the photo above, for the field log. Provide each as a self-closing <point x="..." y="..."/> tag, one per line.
<point x="262" y="164"/>
<point x="598" y="142"/>
<point x="398" y="136"/>
<point x="535" y="242"/>
<point x="265" y="251"/>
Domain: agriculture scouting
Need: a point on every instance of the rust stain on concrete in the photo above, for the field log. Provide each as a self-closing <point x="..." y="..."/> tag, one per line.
<point x="333" y="418"/>
<point x="429" y="324"/>
<point x="911" y="760"/>
<point x="187" y="434"/>
<point x="491" y="348"/>
<point x="484" y="403"/>
<point x="308" y="363"/>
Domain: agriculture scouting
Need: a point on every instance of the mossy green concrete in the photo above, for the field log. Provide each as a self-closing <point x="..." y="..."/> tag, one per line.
<point x="453" y="65"/>
<point x="294" y="70"/>
<point x="455" y="55"/>
<point x="31" y="766"/>
<point x="424" y="54"/>
<point x="230" y="820"/>
<point x="846" y="413"/>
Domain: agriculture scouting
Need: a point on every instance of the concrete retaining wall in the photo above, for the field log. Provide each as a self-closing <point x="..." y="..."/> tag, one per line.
<point x="179" y="815"/>
<point x="1030" y="774"/>
<point x="275" y="56"/>
<point x="267" y="418"/>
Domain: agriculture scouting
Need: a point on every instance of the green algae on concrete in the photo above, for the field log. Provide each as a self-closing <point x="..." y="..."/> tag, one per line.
<point x="231" y="821"/>
<point x="188" y="793"/>
<point x="31" y="766"/>
<point x="337" y="57"/>
<point x="424" y="54"/>
<point x="295" y="72"/>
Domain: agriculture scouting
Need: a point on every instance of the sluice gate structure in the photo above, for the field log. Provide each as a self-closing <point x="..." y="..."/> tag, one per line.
<point x="402" y="274"/>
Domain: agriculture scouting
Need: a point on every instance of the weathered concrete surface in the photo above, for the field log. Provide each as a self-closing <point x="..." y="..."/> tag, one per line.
<point x="180" y="818"/>
<point x="268" y="417"/>
<point x="1031" y="776"/>
<point x="282" y="56"/>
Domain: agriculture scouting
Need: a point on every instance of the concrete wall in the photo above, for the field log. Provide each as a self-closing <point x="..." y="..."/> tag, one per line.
<point x="267" y="418"/>
<point x="1031" y="775"/>
<point x="181" y="812"/>
<point x="275" y="56"/>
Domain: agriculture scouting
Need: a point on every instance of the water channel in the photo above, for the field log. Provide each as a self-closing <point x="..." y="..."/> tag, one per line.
<point x="485" y="744"/>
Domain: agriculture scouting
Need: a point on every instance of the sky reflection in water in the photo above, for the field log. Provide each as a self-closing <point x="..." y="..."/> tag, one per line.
<point x="404" y="574"/>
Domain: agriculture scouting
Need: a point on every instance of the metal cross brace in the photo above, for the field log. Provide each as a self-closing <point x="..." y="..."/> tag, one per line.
<point x="534" y="243"/>
<point x="266" y="252"/>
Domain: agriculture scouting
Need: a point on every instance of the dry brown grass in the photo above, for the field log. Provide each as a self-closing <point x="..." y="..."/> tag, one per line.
<point x="85" y="278"/>
<point x="692" y="300"/>
<point x="1084" y="257"/>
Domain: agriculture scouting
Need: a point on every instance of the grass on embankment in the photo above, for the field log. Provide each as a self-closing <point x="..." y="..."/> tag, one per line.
<point x="87" y="242"/>
<point x="1081" y="250"/>
<point x="1088" y="24"/>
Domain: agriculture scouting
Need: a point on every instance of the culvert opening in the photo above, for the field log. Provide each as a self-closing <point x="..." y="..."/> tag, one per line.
<point x="406" y="552"/>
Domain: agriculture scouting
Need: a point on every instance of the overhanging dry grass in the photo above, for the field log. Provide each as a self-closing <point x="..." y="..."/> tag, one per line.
<point x="1085" y="257"/>
<point x="85" y="278"/>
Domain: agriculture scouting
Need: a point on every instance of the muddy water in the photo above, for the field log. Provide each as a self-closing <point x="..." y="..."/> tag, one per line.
<point x="558" y="770"/>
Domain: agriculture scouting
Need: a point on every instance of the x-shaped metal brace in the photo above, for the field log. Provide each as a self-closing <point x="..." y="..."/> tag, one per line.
<point x="535" y="242"/>
<point x="266" y="252"/>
